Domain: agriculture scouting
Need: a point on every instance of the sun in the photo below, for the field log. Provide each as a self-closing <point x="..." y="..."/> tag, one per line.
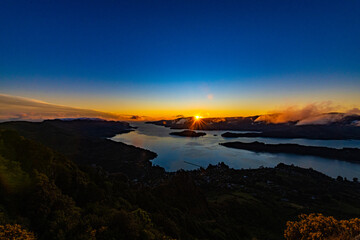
<point x="197" y="122"/>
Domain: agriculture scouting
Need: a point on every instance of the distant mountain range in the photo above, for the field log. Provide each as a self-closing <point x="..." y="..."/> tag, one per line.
<point x="323" y="126"/>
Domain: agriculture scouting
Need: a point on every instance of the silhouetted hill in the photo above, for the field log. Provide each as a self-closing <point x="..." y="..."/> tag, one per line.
<point x="96" y="128"/>
<point x="234" y="123"/>
<point x="344" y="154"/>
<point x="188" y="133"/>
<point x="346" y="127"/>
<point x="84" y="141"/>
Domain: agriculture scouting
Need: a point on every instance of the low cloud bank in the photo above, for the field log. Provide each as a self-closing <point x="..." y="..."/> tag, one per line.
<point x="316" y="113"/>
<point x="18" y="108"/>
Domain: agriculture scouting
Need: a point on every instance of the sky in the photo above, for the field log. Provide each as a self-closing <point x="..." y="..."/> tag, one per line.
<point x="160" y="59"/>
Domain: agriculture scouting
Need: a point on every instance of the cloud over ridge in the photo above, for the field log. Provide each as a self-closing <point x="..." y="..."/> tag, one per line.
<point x="315" y="113"/>
<point x="13" y="108"/>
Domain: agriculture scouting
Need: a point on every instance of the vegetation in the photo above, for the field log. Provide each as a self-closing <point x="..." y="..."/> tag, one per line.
<point x="58" y="200"/>
<point x="48" y="194"/>
<point x="15" y="232"/>
<point x="85" y="142"/>
<point x="319" y="227"/>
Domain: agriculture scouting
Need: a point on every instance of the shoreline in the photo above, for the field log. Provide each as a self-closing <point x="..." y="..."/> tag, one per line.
<point x="344" y="154"/>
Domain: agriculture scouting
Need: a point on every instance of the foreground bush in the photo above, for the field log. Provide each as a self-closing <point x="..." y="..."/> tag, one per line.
<point x="319" y="227"/>
<point x="12" y="232"/>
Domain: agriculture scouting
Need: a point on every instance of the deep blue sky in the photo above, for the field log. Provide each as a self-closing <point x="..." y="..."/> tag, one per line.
<point x="141" y="50"/>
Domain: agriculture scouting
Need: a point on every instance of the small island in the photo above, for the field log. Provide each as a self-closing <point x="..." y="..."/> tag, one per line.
<point x="344" y="154"/>
<point x="188" y="133"/>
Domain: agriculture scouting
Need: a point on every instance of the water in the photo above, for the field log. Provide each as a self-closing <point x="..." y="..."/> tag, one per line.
<point x="174" y="150"/>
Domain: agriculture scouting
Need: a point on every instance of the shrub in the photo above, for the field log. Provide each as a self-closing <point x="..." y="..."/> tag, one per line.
<point x="12" y="232"/>
<point x="318" y="227"/>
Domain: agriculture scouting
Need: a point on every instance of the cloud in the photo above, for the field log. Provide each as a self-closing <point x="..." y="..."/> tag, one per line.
<point x="296" y="113"/>
<point x="315" y="113"/>
<point x="19" y="108"/>
<point x="182" y="121"/>
<point x="329" y="118"/>
<point x="356" y="123"/>
<point x="354" y="111"/>
<point x="322" y="119"/>
<point x="139" y="118"/>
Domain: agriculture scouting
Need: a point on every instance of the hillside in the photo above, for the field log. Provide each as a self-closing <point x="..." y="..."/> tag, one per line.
<point x="85" y="142"/>
<point x="49" y="194"/>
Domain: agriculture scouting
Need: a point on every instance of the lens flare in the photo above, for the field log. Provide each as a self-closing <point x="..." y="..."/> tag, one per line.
<point x="198" y="122"/>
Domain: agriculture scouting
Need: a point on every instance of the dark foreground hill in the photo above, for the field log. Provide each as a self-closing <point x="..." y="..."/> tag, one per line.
<point x="55" y="198"/>
<point x="85" y="142"/>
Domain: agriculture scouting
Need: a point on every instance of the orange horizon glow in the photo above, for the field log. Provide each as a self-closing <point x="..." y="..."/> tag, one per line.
<point x="13" y="107"/>
<point x="232" y="104"/>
